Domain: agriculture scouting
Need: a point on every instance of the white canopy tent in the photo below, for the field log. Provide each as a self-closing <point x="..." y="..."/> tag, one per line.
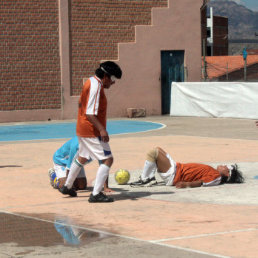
<point x="215" y="99"/>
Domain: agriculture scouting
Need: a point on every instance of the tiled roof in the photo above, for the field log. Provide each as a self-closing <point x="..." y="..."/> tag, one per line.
<point x="220" y="65"/>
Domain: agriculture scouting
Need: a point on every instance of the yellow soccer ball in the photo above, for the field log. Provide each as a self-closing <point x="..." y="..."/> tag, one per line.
<point x="122" y="176"/>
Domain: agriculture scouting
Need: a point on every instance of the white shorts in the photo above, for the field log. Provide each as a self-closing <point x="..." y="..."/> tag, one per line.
<point x="168" y="177"/>
<point x="61" y="171"/>
<point x="94" y="148"/>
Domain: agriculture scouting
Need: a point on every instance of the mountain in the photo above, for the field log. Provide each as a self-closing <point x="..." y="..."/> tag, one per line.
<point x="243" y="22"/>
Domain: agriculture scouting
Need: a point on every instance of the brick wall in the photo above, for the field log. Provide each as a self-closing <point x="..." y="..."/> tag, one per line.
<point x="97" y="26"/>
<point x="29" y="50"/>
<point x="29" y="45"/>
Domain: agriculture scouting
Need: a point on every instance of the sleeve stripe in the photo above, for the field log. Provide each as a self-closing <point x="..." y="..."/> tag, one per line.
<point x="213" y="183"/>
<point x="96" y="100"/>
<point x="93" y="100"/>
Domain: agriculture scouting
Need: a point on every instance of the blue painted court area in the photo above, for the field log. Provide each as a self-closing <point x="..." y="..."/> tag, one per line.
<point x="67" y="130"/>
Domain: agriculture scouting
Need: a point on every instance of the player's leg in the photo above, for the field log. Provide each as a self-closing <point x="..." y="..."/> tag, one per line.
<point x="162" y="161"/>
<point x="102" y="152"/>
<point x="75" y="169"/>
<point x="101" y="177"/>
<point x="147" y="177"/>
<point x="166" y="167"/>
<point x="80" y="182"/>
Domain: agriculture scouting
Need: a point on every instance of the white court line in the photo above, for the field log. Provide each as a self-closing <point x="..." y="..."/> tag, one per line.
<point x="118" y="235"/>
<point x="204" y="235"/>
<point x="149" y="130"/>
<point x="47" y="139"/>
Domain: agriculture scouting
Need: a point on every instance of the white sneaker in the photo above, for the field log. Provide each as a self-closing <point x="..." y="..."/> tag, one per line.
<point x="51" y="171"/>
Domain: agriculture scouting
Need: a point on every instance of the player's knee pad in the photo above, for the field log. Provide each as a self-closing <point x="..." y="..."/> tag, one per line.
<point x="152" y="155"/>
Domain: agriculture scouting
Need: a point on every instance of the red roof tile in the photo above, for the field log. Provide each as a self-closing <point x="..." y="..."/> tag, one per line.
<point x="220" y="65"/>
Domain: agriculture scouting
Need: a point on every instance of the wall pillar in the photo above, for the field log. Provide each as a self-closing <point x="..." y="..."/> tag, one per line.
<point x="63" y="6"/>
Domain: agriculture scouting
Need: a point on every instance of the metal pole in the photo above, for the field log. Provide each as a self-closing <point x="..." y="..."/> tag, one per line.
<point x="245" y="71"/>
<point x="204" y="60"/>
<point x="227" y="72"/>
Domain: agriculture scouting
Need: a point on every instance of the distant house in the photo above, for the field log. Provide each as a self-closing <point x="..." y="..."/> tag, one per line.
<point x="231" y="68"/>
<point x="217" y="35"/>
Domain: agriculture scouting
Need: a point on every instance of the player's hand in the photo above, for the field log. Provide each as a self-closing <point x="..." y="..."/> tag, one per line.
<point x="104" y="135"/>
<point x="181" y="184"/>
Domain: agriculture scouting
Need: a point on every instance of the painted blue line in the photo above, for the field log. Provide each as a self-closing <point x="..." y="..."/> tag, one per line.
<point x="68" y="130"/>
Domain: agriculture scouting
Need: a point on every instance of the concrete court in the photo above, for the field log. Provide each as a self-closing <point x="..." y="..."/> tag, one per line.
<point x="162" y="221"/>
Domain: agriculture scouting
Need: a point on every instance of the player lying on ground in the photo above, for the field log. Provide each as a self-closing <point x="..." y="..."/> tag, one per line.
<point x="185" y="175"/>
<point x="91" y="131"/>
<point x="63" y="159"/>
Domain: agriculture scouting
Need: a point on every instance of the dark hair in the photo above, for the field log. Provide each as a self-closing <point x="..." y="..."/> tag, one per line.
<point x="236" y="176"/>
<point x="224" y="179"/>
<point x="99" y="73"/>
<point x="110" y="68"/>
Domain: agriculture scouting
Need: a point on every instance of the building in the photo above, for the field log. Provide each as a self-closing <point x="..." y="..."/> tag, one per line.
<point x="217" y="35"/>
<point x="49" y="47"/>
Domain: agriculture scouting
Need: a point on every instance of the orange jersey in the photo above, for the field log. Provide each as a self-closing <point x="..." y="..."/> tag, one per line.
<point x="194" y="172"/>
<point x="92" y="101"/>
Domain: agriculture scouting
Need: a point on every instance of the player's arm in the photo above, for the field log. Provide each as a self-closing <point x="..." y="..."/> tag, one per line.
<point x="103" y="132"/>
<point x="182" y="184"/>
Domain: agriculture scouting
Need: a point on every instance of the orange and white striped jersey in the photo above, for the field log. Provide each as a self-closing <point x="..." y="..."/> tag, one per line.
<point x="190" y="172"/>
<point x="92" y="101"/>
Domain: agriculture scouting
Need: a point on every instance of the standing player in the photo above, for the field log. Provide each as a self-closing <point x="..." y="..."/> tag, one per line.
<point x="91" y="130"/>
<point x="185" y="175"/>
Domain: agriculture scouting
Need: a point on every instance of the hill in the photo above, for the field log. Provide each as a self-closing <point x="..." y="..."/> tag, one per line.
<point x="243" y="22"/>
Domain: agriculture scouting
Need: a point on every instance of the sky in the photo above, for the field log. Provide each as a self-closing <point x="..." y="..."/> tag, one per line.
<point x="250" y="4"/>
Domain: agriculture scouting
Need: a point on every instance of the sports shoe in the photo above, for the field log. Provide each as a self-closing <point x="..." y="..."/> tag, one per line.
<point x="65" y="190"/>
<point x="145" y="182"/>
<point x="52" y="177"/>
<point x="100" y="197"/>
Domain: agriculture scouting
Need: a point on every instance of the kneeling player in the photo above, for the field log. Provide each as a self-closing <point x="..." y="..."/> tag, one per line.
<point x="185" y="175"/>
<point x="62" y="159"/>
